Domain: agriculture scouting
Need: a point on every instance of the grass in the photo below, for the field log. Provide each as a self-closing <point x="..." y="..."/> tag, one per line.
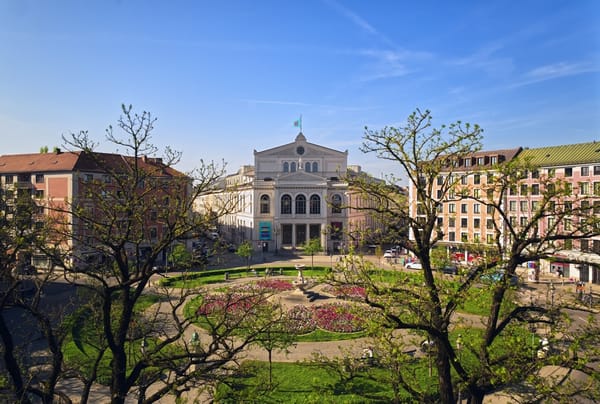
<point x="195" y="279"/>
<point x="81" y="347"/>
<point x="314" y="382"/>
<point x="304" y="383"/>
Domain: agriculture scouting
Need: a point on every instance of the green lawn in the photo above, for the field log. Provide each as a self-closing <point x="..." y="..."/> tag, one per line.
<point x="305" y="383"/>
<point x="195" y="279"/>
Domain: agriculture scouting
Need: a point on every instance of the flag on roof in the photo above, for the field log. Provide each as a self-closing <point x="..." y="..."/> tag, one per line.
<point x="298" y="123"/>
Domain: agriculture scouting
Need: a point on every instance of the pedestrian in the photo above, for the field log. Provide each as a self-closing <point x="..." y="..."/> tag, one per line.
<point x="579" y="290"/>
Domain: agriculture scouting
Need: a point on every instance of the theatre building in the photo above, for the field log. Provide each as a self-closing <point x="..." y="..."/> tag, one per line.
<point x="293" y="193"/>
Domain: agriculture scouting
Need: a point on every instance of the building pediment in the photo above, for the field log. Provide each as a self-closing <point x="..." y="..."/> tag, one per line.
<point x="300" y="148"/>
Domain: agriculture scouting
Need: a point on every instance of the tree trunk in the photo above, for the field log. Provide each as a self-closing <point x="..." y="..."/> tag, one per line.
<point x="475" y="399"/>
<point x="11" y="363"/>
<point x="444" y="375"/>
<point x="270" y="368"/>
<point x="118" y="388"/>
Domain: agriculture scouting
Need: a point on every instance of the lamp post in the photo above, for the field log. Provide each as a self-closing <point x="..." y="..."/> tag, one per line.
<point x="275" y="234"/>
<point x="458" y="349"/>
<point x="552" y="290"/>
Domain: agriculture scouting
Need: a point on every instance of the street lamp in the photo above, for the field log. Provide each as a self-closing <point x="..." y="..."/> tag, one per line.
<point x="275" y="234"/>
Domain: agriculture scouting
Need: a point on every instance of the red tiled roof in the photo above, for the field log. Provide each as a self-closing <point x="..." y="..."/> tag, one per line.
<point x="81" y="161"/>
<point x="38" y="162"/>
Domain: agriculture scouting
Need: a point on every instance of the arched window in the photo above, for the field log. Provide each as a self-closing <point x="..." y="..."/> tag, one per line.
<point x="300" y="205"/>
<point x="307" y="167"/>
<point x="315" y="205"/>
<point x="265" y="204"/>
<point x="336" y="204"/>
<point x="286" y="167"/>
<point x="315" y="167"/>
<point x="293" y="167"/>
<point x="286" y="205"/>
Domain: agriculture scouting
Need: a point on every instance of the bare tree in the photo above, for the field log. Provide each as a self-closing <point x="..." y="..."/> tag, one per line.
<point x="131" y="210"/>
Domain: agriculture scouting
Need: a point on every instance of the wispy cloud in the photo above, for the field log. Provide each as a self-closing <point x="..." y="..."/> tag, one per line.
<point x="560" y="70"/>
<point x="359" y="22"/>
<point x="555" y="71"/>
<point x="387" y="63"/>
<point x="310" y="105"/>
<point x="485" y="59"/>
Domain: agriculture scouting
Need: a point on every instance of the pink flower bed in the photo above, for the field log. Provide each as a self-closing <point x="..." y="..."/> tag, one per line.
<point x="275" y="285"/>
<point x="232" y="304"/>
<point x="300" y="320"/>
<point x="351" y="292"/>
<point x="337" y="318"/>
<point x="334" y="317"/>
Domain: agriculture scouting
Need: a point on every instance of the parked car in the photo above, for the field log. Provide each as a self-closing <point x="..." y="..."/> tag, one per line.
<point x="388" y="254"/>
<point x="450" y="269"/>
<point x="414" y="265"/>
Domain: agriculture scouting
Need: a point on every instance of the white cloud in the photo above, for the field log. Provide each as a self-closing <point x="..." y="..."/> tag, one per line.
<point x="360" y="22"/>
<point x="310" y="105"/>
<point x="555" y="71"/>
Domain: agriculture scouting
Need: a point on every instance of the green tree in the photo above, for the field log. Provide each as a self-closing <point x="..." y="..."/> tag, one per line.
<point x="270" y="326"/>
<point x="429" y="158"/>
<point x="180" y="257"/>
<point x="312" y="247"/>
<point x="245" y="251"/>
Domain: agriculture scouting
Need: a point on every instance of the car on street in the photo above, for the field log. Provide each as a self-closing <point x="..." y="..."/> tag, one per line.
<point x="414" y="265"/>
<point x="450" y="269"/>
<point x="388" y="254"/>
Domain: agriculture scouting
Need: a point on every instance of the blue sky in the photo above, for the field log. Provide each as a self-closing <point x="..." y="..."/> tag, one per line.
<point x="227" y="77"/>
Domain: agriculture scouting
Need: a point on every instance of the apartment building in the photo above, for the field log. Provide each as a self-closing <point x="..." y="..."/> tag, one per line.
<point x="58" y="180"/>
<point x="578" y="165"/>
<point x="465" y="222"/>
<point x="468" y="226"/>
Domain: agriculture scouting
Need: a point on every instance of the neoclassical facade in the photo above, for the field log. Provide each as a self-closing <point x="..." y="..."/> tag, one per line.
<point x="293" y="193"/>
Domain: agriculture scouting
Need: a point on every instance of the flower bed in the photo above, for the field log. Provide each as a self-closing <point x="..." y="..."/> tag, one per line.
<point x="275" y="285"/>
<point x="300" y="320"/>
<point x="333" y="317"/>
<point x="233" y="304"/>
<point x="351" y="292"/>
<point x="337" y="318"/>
